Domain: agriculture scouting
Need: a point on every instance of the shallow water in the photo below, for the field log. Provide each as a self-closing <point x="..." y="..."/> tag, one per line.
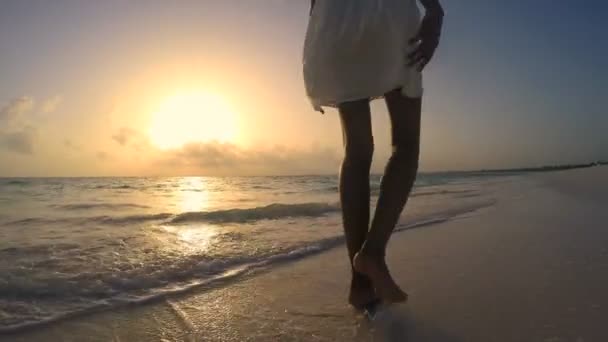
<point x="68" y="245"/>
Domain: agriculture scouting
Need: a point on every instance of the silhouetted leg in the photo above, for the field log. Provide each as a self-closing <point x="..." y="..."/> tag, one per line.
<point x="395" y="188"/>
<point x="355" y="190"/>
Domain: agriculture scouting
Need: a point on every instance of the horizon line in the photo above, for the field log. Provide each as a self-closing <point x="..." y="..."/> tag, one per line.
<point x="547" y="168"/>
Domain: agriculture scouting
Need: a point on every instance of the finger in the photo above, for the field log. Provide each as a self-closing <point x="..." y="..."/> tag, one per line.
<point x="414" y="53"/>
<point x="423" y="65"/>
<point x="421" y="59"/>
<point x="415" y="39"/>
<point x="433" y="43"/>
<point x="427" y="60"/>
<point x="428" y="50"/>
<point x="414" y="60"/>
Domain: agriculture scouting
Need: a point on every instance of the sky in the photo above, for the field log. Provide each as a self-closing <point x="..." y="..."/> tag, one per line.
<point x="201" y="87"/>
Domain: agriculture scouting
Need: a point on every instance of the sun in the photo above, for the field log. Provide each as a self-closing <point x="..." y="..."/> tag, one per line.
<point x="191" y="117"/>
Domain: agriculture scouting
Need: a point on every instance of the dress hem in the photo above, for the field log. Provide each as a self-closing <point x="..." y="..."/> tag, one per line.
<point x="318" y="105"/>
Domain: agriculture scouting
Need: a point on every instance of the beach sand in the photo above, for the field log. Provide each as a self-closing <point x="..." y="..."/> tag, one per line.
<point x="533" y="267"/>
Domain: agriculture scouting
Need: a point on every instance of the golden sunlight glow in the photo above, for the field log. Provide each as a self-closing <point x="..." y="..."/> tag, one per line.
<point x="187" y="239"/>
<point x="193" y="116"/>
<point x="193" y="195"/>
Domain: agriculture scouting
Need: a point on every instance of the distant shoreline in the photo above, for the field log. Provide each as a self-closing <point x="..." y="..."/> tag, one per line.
<point x="546" y="168"/>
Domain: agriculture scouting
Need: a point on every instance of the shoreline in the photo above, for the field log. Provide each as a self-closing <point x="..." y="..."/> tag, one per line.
<point x="231" y="276"/>
<point x="499" y="274"/>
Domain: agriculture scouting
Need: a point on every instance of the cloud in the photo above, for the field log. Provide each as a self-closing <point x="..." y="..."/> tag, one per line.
<point x="101" y="155"/>
<point x="229" y="159"/>
<point x="124" y="135"/>
<point x="19" y="119"/>
<point x="50" y="105"/>
<point x="19" y="141"/>
<point x="128" y="137"/>
<point x="71" y="145"/>
<point x="16" y="109"/>
<point x="16" y="134"/>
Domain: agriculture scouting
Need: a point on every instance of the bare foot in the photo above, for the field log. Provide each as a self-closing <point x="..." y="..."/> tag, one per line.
<point x="360" y="296"/>
<point x="376" y="269"/>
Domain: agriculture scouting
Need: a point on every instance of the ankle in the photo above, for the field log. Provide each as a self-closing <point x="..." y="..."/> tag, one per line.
<point x="372" y="253"/>
<point x="360" y="280"/>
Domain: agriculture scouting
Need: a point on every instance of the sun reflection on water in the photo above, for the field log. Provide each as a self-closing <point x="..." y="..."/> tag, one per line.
<point x="188" y="239"/>
<point x="192" y="195"/>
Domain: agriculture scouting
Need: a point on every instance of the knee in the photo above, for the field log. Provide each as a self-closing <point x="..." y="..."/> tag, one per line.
<point x="360" y="152"/>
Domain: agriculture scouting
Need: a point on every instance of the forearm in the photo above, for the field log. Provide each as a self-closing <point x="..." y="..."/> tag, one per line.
<point x="431" y="6"/>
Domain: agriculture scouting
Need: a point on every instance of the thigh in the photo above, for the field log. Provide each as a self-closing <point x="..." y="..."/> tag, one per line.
<point x="405" y="115"/>
<point x="355" y="117"/>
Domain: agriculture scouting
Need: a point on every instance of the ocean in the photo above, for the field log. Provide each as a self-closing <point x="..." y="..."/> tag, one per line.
<point x="69" y="246"/>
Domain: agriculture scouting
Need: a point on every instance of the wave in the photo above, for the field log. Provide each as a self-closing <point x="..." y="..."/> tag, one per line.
<point x="15" y="182"/>
<point x="420" y="192"/>
<point x="108" y="206"/>
<point x="270" y="212"/>
<point x="39" y="249"/>
<point x="329" y="189"/>
<point x="274" y="211"/>
<point x="114" y="186"/>
<point x="95" y="292"/>
<point x="105" y="219"/>
<point x="131" y="219"/>
<point x="92" y="292"/>
<point x="470" y="193"/>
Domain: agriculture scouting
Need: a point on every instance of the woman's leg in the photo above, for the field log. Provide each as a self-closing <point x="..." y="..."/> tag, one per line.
<point x="354" y="190"/>
<point x="395" y="188"/>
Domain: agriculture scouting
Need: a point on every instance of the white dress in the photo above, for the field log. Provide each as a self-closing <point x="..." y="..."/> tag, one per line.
<point x="357" y="49"/>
